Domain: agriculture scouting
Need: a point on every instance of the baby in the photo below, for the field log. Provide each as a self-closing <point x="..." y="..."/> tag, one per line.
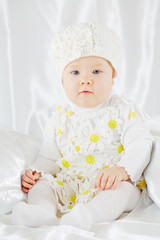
<point x="96" y="146"/>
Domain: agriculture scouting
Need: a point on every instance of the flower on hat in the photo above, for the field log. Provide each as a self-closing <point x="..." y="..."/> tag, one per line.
<point x="69" y="45"/>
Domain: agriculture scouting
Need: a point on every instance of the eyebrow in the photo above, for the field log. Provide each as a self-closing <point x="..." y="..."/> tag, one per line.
<point x="73" y="66"/>
<point x="96" y="65"/>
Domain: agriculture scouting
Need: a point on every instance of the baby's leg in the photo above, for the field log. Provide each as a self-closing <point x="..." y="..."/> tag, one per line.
<point x="40" y="208"/>
<point x="110" y="204"/>
<point x="107" y="206"/>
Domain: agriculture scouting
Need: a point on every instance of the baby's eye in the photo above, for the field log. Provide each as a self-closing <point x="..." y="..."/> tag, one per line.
<point x="96" y="72"/>
<point x="75" y="72"/>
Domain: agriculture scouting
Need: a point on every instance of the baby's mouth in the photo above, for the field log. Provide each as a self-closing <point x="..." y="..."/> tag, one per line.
<point x="85" y="92"/>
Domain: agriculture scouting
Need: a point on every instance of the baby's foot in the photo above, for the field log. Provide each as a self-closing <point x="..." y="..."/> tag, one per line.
<point x="78" y="217"/>
<point x="32" y="215"/>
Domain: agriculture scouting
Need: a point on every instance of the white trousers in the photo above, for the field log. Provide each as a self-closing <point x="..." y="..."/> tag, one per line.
<point x="41" y="207"/>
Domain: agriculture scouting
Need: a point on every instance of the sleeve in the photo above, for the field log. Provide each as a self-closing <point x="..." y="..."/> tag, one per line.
<point x="136" y="140"/>
<point x="48" y="154"/>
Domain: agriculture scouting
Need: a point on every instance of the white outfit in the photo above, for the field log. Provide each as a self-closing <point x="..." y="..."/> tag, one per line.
<point x="79" y="143"/>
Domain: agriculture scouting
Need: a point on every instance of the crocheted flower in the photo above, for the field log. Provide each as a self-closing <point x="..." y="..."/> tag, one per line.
<point x="120" y="148"/>
<point x="58" y="108"/>
<point x="112" y="124"/>
<point x="133" y="115"/>
<point x="73" y="198"/>
<point x="59" y="131"/>
<point x="70" y="207"/>
<point x="87" y="139"/>
<point x="69" y="113"/>
<point x="77" y="148"/>
<point x="106" y="167"/>
<point x="59" y="182"/>
<point x="90" y="159"/>
<point x="142" y="184"/>
<point x="71" y="44"/>
<point x="86" y="192"/>
<point x="65" y="164"/>
<point x="94" y="138"/>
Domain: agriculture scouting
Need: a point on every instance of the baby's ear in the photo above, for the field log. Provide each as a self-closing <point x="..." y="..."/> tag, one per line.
<point x="113" y="73"/>
<point x="112" y="81"/>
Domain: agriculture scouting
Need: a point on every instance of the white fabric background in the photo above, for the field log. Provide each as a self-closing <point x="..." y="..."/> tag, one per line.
<point x="28" y="85"/>
<point x="28" y="89"/>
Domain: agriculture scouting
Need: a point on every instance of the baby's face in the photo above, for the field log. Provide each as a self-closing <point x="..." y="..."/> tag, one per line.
<point x="88" y="81"/>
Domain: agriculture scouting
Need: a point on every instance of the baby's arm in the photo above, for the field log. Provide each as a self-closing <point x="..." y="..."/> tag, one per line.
<point x="45" y="161"/>
<point x="137" y="143"/>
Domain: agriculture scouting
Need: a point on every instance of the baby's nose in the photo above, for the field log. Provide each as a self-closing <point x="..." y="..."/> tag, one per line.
<point x="87" y="82"/>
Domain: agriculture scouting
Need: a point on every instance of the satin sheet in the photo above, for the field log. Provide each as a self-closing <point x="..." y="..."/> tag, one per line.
<point x="17" y="152"/>
<point x="152" y="172"/>
<point x="29" y="89"/>
<point x="28" y="85"/>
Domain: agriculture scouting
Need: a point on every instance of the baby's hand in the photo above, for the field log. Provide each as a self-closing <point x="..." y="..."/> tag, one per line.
<point x="29" y="179"/>
<point x="110" y="177"/>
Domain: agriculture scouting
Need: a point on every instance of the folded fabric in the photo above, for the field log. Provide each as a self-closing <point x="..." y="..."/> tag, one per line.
<point x="17" y="152"/>
<point x="152" y="173"/>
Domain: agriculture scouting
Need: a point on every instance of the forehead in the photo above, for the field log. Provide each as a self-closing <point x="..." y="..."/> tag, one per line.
<point x="89" y="61"/>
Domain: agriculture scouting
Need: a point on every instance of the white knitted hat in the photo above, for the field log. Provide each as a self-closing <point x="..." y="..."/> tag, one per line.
<point x="85" y="39"/>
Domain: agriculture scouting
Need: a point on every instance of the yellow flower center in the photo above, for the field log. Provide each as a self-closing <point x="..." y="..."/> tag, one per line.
<point x="120" y="148"/>
<point x="77" y="148"/>
<point x="70" y="207"/>
<point x="65" y="164"/>
<point x="69" y="113"/>
<point x="106" y="167"/>
<point x="90" y="159"/>
<point x="94" y="138"/>
<point x="73" y="198"/>
<point x="59" y="131"/>
<point x="142" y="184"/>
<point x="86" y="192"/>
<point x="59" y="182"/>
<point x="133" y="115"/>
<point x="58" y="108"/>
<point x="112" y="124"/>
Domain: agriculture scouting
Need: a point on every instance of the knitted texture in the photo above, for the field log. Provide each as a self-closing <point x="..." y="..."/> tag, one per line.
<point x="85" y="39"/>
<point x="87" y="148"/>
